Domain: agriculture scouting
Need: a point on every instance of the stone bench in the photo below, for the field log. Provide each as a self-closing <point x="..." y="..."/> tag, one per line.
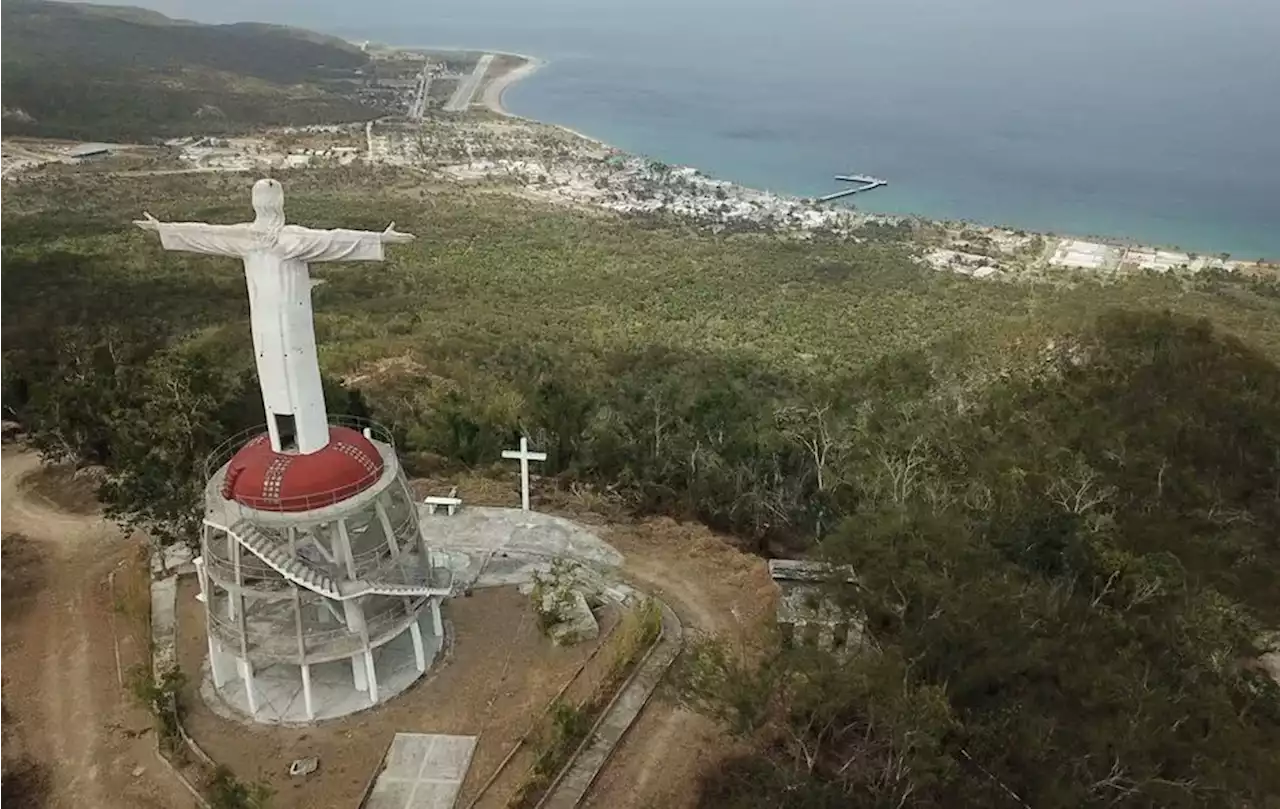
<point x="450" y="503"/>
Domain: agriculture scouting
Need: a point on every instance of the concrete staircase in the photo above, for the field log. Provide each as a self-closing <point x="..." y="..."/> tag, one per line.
<point x="275" y="555"/>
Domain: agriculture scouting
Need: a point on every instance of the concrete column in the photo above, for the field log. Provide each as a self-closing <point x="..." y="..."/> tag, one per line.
<point x="233" y="548"/>
<point x="246" y="674"/>
<point x="359" y="674"/>
<point x="373" y="676"/>
<point x="218" y="663"/>
<point x="418" y="537"/>
<point x="297" y="624"/>
<point x="385" y="521"/>
<point x="355" y="617"/>
<point x="202" y="578"/>
<point x="826" y="637"/>
<point x="419" y="653"/>
<point x="437" y="625"/>
<point x="306" y="691"/>
<point x="246" y="671"/>
<point x="344" y="540"/>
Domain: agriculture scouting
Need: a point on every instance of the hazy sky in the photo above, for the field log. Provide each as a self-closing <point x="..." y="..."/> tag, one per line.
<point x="1254" y="22"/>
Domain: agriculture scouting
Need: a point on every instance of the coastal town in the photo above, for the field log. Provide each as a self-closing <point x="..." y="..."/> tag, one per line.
<point x="447" y="122"/>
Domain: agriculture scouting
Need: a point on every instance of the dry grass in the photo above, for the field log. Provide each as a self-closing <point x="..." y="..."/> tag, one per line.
<point x="23" y="569"/>
<point x="569" y="718"/>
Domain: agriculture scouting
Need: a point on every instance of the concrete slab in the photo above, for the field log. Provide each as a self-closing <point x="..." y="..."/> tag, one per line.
<point x="422" y="771"/>
<point x="164" y="624"/>
<point x="506" y="545"/>
<point x="173" y="560"/>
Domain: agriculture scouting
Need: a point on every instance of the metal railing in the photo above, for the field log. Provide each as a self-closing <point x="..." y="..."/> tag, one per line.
<point x="282" y="645"/>
<point x="222" y="568"/>
<point x="218" y="458"/>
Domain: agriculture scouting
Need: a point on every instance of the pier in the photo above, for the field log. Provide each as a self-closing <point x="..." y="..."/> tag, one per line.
<point x="868" y="183"/>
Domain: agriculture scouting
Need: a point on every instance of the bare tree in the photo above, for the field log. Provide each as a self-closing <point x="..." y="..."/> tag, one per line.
<point x="903" y="470"/>
<point x="810" y="427"/>
<point x="1079" y="490"/>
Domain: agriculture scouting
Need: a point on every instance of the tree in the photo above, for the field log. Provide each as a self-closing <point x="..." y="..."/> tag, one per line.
<point x="188" y="407"/>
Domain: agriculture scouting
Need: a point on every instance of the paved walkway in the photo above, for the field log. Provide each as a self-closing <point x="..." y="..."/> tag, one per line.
<point x="422" y="771"/>
<point x="569" y="790"/>
<point x="507" y="544"/>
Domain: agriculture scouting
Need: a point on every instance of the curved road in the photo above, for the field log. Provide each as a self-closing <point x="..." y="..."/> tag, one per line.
<point x="60" y="681"/>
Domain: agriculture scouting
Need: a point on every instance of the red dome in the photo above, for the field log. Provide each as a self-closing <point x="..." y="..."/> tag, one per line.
<point x="261" y="478"/>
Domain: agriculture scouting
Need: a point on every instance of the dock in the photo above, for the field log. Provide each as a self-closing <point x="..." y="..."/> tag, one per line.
<point x="867" y="183"/>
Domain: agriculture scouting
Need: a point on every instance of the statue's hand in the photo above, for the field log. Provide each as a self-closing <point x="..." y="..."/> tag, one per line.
<point x="150" y="223"/>
<point x="393" y="236"/>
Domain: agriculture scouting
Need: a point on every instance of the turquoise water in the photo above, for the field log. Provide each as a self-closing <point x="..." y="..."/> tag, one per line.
<point x="1156" y="120"/>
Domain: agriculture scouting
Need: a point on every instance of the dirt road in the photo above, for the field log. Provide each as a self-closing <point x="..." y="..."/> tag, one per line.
<point x="716" y="590"/>
<point x="62" y="630"/>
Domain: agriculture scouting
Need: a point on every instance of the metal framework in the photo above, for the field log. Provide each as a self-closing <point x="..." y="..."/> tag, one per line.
<point x="306" y="587"/>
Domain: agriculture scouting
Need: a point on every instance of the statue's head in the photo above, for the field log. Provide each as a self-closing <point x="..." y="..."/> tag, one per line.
<point x="268" y="203"/>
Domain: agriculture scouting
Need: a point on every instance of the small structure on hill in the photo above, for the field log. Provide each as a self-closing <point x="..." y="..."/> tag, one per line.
<point x="807" y="615"/>
<point x="313" y="571"/>
<point x="86" y="152"/>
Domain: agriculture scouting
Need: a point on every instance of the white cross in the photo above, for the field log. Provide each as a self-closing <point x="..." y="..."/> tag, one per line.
<point x="524" y="456"/>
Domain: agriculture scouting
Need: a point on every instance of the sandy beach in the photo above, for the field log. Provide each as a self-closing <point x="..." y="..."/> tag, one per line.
<point x="492" y="97"/>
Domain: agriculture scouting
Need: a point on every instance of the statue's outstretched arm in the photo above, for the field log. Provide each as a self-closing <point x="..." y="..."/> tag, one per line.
<point x="198" y="237"/>
<point x="393" y="236"/>
<point x="340" y="245"/>
<point x="149" y="223"/>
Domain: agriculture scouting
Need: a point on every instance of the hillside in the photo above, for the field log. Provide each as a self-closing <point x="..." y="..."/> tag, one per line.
<point x="119" y="73"/>
<point x="1060" y="498"/>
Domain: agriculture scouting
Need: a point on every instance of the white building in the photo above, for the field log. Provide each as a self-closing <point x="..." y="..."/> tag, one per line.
<point x="89" y="151"/>
<point x="315" y="577"/>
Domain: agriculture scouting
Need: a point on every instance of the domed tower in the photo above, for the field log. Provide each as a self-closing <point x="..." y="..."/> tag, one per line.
<point x="310" y="560"/>
<point x="319" y="592"/>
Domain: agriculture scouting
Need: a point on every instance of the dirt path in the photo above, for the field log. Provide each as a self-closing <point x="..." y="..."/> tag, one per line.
<point x="28" y="511"/>
<point x="715" y="589"/>
<point x="60" y="649"/>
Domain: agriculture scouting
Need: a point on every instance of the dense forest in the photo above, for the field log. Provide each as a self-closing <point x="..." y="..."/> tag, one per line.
<point x="1062" y="501"/>
<point x="119" y="73"/>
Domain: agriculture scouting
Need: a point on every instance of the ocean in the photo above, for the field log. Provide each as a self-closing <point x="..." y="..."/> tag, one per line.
<point x="1151" y="120"/>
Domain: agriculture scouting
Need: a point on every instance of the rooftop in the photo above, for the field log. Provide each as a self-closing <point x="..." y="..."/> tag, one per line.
<point x="87" y="149"/>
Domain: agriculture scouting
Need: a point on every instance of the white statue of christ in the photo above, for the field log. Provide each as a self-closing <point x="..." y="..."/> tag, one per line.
<point x="275" y="259"/>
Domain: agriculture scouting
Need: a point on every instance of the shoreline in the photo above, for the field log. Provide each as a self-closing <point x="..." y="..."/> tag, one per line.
<point x="491" y="99"/>
<point x="494" y="90"/>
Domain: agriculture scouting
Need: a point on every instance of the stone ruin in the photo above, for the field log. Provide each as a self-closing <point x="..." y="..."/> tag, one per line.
<point x="807" y="615"/>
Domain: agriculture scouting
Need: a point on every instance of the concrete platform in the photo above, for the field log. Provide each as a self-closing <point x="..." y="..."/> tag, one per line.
<point x="422" y="771"/>
<point x="333" y="694"/>
<point x="508" y="544"/>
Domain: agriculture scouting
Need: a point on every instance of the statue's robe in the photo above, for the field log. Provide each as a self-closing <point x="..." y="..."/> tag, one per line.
<point x="280" y="309"/>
